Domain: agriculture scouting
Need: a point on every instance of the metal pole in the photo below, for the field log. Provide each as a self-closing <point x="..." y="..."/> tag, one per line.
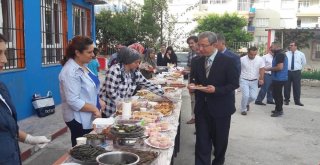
<point x="282" y="39"/>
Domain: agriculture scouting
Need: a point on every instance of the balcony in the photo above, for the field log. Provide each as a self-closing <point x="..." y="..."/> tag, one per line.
<point x="96" y="2"/>
<point x="308" y="11"/>
<point x="251" y="29"/>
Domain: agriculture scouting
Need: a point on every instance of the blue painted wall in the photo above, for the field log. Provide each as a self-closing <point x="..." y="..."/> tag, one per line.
<point x="35" y="78"/>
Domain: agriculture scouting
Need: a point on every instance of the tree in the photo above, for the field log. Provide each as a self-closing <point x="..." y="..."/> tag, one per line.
<point x="229" y="24"/>
<point x="136" y="24"/>
<point x="300" y="36"/>
<point x="118" y="27"/>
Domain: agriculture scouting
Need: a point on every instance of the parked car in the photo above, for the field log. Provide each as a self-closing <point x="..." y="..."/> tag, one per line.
<point x="182" y="58"/>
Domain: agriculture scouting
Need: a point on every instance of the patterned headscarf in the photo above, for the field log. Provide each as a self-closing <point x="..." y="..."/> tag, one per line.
<point x="138" y="47"/>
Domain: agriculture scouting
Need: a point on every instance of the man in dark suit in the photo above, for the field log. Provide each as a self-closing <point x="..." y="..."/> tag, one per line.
<point x="161" y="56"/>
<point x="214" y="104"/>
<point x="221" y="46"/>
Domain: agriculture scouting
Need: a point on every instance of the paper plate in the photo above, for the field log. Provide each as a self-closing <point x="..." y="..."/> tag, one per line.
<point x="163" y="148"/>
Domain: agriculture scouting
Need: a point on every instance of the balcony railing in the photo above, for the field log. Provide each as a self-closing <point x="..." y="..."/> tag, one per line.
<point x="251" y="28"/>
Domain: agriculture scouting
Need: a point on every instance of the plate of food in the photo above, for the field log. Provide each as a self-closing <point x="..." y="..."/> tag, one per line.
<point x="86" y="154"/>
<point x="198" y="87"/>
<point x="165" y="108"/>
<point x="159" y="142"/>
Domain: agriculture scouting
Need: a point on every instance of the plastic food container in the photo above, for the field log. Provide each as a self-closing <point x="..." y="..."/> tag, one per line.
<point x="100" y="124"/>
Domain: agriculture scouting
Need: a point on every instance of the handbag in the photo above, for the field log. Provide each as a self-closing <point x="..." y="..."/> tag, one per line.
<point x="44" y="106"/>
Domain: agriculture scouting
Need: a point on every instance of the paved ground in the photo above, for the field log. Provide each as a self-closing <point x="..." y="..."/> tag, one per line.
<point x="293" y="139"/>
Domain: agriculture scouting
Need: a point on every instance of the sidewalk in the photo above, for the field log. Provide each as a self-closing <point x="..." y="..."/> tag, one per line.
<point x="51" y="126"/>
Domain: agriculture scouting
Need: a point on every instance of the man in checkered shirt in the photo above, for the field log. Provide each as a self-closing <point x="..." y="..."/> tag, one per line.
<point x="122" y="79"/>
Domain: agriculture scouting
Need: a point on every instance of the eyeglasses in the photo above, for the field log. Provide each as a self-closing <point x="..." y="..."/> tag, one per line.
<point x="204" y="46"/>
<point x="291" y="45"/>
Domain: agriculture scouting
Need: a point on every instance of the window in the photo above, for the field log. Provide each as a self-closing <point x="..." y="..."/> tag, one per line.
<point x="261" y="4"/>
<point x="204" y="1"/>
<point x="309" y="22"/>
<point x="316" y="50"/>
<point x="261" y="39"/>
<point x="81" y="21"/>
<point x="53" y="31"/>
<point x="243" y="5"/>
<point x="287" y="4"/>
<point x="262" y="22"/>
<point x="303" y="3"/>
<point x="218" y="1"/>
<point x="11" y="26"/>
<point x="286" y="22"/>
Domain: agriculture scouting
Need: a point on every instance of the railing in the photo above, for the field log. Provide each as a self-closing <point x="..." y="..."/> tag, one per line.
<point x="251" y="28"/>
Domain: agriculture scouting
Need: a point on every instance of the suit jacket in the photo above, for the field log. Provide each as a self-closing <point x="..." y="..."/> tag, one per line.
<point x="236" y="59"/>
<point x="193" y="64"/>
<point x="224" y="77"/>
<point x="161" y="61"/>
<point x="10" y="154"/>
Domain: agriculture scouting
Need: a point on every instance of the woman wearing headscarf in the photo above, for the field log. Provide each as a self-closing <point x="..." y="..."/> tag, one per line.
<point x="148" y="64"/>
<point x="122" y="80"/>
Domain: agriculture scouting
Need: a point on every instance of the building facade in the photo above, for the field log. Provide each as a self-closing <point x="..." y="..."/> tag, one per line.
<point x="264" y="14"/>
<point x="38" y="33"/>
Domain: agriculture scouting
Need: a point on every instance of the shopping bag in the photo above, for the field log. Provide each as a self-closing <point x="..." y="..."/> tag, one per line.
<point x="44" y="106"/>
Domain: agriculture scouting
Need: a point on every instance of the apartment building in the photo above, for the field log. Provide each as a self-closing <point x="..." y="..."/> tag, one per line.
<point x="263" y="14"/>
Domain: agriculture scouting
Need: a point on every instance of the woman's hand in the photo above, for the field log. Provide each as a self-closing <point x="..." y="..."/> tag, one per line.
<point x="168" y="55"/>
<point x="103" y="105"/>
<point x="97" y="114"/>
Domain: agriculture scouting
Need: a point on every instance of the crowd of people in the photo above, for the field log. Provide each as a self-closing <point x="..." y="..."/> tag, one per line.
<point x="210" y="65"/>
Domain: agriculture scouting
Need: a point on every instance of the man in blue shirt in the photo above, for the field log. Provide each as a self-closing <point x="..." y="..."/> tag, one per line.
<point x="279" y="73"/>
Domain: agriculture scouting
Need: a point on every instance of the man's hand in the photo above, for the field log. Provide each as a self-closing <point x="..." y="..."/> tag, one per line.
<point x="209" y="89"/>
<point x="261" y="82"/>
<point x="36" y="139"/>
<point x="190" y="87"/>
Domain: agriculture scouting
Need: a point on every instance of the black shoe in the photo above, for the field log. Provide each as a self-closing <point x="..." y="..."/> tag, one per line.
<point x="248" y="107"/>
<point x="270" y="102"/>
<point x="244" y="113"/>
<point x="259" y="103"/>
<point x="277" y="114"/>
<point x="286" y="102"/>
<point x="299" y="103"/>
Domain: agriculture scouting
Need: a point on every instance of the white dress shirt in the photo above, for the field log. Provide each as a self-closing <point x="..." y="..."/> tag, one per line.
<point x="250" y="67"/>
<point x="76" y="89"/>
<point x="267" y="62"/>
<point x="299" y="60"/>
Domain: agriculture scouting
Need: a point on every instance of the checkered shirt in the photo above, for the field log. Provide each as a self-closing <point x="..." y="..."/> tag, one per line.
<point x="119" y="84"/>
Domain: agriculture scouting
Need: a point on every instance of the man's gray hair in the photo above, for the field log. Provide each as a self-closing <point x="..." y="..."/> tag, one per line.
<point x="212" y="37"/>
<point x="221" y="37"/>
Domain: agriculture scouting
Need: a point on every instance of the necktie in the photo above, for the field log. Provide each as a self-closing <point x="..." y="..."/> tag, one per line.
<point x="208" y="66"/>
<point x="292" y="61"/>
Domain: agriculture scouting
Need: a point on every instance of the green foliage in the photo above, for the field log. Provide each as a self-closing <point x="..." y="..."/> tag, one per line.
<point x="138" y="24"/>
<point x="116" y="27"/>
<point x="229" y="24"/>
<point x="311" y="74"/>
<point x="301" y="37"/>
<point x="150" y="24"/>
